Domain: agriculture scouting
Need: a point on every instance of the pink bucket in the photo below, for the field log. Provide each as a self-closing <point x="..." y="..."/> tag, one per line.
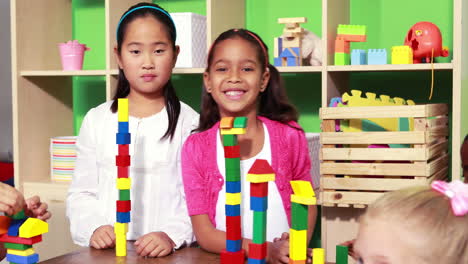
<point x="72" y="54"/>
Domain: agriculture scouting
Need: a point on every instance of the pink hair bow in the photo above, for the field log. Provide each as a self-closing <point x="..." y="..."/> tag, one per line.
<point x="458" y="194"/>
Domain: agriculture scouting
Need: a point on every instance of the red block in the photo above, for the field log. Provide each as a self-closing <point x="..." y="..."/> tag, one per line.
<point x="261" y="166"/>
<point x="122" y="172"/>
<point x="123" y="150"/>
<point x="122" y="160"/>
<point x="257" y="251"/>
<point x="19" y="240"/>
<point x="124" y="206"/>
<point x="233" y="227"/>
<point x="232" y="151"/>
<point x="232" y="257"/>
<point x="4" y="224"/>
<point x="259" y="189"/>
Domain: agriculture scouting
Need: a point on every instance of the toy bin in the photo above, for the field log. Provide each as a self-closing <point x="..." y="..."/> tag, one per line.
<point x="191" y="37"/>
<point x="358" y="167"/>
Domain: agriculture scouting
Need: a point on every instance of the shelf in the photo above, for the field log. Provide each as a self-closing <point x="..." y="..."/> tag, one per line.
<point x="63" y="73"/>
<point x="46" y="189"/>
<point x="391" y="67"/>
<point x="300" y="69"/>
<point x="175" y="71"/>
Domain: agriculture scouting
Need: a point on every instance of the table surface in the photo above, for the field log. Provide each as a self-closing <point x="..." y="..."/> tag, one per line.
<point x="107" y="256"/>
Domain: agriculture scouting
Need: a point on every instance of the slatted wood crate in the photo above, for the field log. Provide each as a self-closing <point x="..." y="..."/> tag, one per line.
<point x="355" y="175"/>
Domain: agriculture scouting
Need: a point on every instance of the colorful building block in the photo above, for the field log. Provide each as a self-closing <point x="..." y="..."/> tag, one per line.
<point x="123" y="206"/>
<point x="351" y="29"/>
<point x="232" y="169"/>
<point x="256" y="261"/>
<point x="123" y="127"/>
<point x="259" y="189"/>
<point x="124" y="195"/>
<point x="240" y="122"/>
<point x="259" y="230"/>
<point x="15" y="246"/>
<point x="124" y="150"/>
<point x="232" y="210"/>
<point x="259" y="178"/>
<point x="124" y="183"/>
<point x="402" y="55"/>
<point x="233" y="227"/>
<point x="226" y="122"/>
<point x="122" y="112"/>
<point x="302" y="188"/>
<point x="233" y="131"/>
<point x="26" y="252"/>
<point x="15" y="224"/>
<point x="258" y="203"/>
<point x="122" y="172"/>
<point x="123" y="217"/>
<point x="278" y="62"/>
<point x="261" y="171"/>
<point x="120" y="228"/>
<point x="4" y="224"/>
<point x="299" y="216"/>
<point x="341" y="45"/>
<point x="121" y="245"/>
<point x="258" y="251"/>
<point x="377" y="56"/>
<point x="358" y="57"/>
<point x="291" y="61"/>
<point x="233" y="198"/>
<point x="19" y="240"/>
<point x="232" y="151"/>
<point x="233" y="186"/>
<point x="318" y="256"/>
<point x="302" y="261"/>
<point x="303" y="200"/>
<point x="277" y="47"/>
<point x="341" y="254"/>
<point x="19" y="215"/>
<point x="237" y="257"/>
<point x="31" y="259"/>
<point x="123" y="138"/>
<point x="297" y="244"/>
<point x="229" y="140"/>
<point x="233" y="245"/>
<point x="33" y="227"/>
<point x="122" y="160"/>
<point x="342" y="58"/>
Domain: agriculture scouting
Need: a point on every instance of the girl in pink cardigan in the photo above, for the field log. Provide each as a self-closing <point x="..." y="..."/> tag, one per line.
<point x="239" y="81"/>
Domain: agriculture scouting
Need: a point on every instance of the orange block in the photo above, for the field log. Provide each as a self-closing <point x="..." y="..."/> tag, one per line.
<point x="4" y="224"/>
<point x="297" y="261"/>
<point x="226" y="122"/>
<point x="353" y="38"/>
<point x="341" y="45"/>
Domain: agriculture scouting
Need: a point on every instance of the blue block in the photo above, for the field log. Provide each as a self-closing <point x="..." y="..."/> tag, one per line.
<point x="123" y="217"/>
<point x="123" y="138"/>
<point x="291" y="61"/>
<point x="34" y="258"/>
<point x="233" y="245"/>
<point x="290" y="53"/>
<point x="233" y="187"/>
<point x="123" y="127"/>
<point x="15" y="224"/>
<point x="258" y="204"/>
<point x="256" y="261"/>
<point x="377" y="56"/>
<point x="232" y="210"/>
<point x="358" y="57"/>
<point x="278" y="62"/>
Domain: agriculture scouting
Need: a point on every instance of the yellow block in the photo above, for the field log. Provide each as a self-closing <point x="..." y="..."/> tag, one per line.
<point x="25" y="253"/>
<point x="318" y="256"/>
<point x="302" y="188"/>
<point x="233" y="131"/>
<point x="33" y="227"/>
<point x="303" y="200"/>
<point x="233" y="198"/>
<point x="402" y="55"/>
<point x="297" y="244"/>
<point x="121" y="245"/>
<point x="120" y="228"/>
<point x="258" y="178"/>
<point x="124" y="183"/>
<point x="122" y="109"/>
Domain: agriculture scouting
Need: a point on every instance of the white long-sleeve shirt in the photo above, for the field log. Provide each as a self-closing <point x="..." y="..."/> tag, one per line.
<point x="157" y="195"/>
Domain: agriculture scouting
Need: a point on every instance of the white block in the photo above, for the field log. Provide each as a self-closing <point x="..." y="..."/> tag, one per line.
<point x="191" y="37"/>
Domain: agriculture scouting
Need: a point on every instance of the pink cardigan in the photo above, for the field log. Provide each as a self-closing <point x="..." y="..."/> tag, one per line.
<point x="203" y="181"/>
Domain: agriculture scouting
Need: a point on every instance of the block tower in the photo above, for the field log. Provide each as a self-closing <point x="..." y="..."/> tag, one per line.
<point x="345" y="35"/>
<point x="303" y="197"/>
<point x="19" y="233"/>
<point x="259" y="175"/>
<point x="288" y="47"/>
<point x="230" y="128"/>
<point x="122" y="161"/>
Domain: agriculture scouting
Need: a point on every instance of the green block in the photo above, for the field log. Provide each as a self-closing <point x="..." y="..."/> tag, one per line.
<point x="341" y="254"/>
<point x="351" y="30"/>
<point x="342" y="58"/>
<point x="19" y="215"/>
<point x="240" y="122"/>
<point x="232" y="169"/>
<point x="299" y="216"/>
<point x="16" y="246"/>
<point x="124" y="195"/>
<point x="229" y="140"/>
<point x="259" y="228"/>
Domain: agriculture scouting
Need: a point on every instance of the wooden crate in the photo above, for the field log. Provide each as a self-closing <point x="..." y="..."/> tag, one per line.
<point x="354" y="175"/>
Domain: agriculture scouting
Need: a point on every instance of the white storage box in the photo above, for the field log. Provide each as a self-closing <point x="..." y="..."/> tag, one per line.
<point x="313" y="139"/>
<point x="191" y="37"/>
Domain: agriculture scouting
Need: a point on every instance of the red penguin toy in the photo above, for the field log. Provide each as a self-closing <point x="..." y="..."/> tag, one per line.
<point x="424" y="37"/>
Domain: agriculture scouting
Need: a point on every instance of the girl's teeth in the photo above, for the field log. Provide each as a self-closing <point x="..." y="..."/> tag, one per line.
<point x="234" y="93"/>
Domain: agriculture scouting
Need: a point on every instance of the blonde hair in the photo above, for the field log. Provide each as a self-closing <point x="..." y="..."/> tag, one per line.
<point x="427" y="214"/>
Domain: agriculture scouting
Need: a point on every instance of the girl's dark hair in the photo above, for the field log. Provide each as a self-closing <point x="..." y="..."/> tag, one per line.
<point x="123" y="87"/>
<point x="272" y="103"/>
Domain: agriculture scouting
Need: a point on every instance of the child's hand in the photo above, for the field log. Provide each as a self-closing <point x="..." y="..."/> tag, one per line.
<point x="154" y="244"/>
<point x="278" y="251"/>
<point x="11" y="200"/>
<point x="350" y="245"/>
<point x="37" y="209"/>
<point x="103" y="237"/>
